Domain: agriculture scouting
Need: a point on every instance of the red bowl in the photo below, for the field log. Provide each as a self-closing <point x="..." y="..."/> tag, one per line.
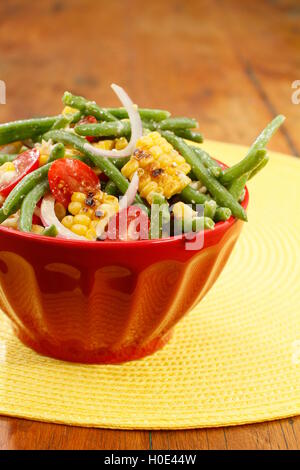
<point x="105" y="302"/>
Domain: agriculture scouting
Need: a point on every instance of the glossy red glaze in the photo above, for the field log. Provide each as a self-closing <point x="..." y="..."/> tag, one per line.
<point x="105" y="302"/>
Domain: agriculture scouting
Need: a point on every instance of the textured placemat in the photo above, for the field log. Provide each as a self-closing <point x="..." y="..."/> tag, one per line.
<point x="234" y="359"/>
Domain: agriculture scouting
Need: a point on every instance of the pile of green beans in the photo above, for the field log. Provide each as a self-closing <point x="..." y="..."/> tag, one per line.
<point x="222" y="189"/>
<point x="123" y="129"/>
<point x="221" y="195"/>
<point x="112" y="124"/>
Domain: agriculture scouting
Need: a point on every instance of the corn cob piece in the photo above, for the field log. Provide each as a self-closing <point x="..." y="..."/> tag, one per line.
<point x="89" y="215"/>
<point x="160" y="167"/>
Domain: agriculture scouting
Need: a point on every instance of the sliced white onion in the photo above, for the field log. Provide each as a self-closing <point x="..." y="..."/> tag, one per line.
<point x="130" y="194"/>
<point x="49" y="218"/>
<point x="136" y="128"/>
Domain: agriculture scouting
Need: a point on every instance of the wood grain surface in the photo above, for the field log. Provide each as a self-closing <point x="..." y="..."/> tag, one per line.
<point x="230" y="64"/>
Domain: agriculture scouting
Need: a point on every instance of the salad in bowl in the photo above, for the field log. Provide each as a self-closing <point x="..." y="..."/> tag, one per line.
<point x="114" y="223"/>
<point x="74" y="175"/>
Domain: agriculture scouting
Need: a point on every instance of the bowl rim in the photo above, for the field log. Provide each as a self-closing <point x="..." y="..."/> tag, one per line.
<point x="209" y="235"/>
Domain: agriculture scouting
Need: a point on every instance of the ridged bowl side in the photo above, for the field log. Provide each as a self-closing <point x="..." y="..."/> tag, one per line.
<point x="108" y="303"/>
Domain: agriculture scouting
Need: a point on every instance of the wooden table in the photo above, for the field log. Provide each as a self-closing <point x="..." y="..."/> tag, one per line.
<point x="230" y="64"/>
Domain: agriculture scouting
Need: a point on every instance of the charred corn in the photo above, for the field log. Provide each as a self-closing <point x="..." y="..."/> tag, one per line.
<point x="160" y="167"/>
<point x="89" y="215"/>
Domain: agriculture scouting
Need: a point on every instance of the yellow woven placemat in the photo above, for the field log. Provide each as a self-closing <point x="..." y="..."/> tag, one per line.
<point x="234" y="359"/>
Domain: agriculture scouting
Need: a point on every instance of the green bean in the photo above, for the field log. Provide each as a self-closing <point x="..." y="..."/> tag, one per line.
<point x="250" y="161"/>
<point x="58" y="151"/>
<point x="172" y="124"/>
<point x="210" y="208"/>
<point x="145" y="113"/>
<point x="237" y="186"/>
<point x="192" y="196"/>
<point x="208" y="161"/>
<point x="60" y="123"/>
<point x="23" y="188"/>
<point x="200" y="223"/>
<point x="103" y="163"/>
<point x="197" y="224"/>
<point x="28" y="205"/>
<point x="50" y="231"/>
<point x="2" y="215"/>
<point x="7" y="158"/>
<point x="222" y="214"/>
<point x="87" y="107"/>
<point x="160" y="215"/>
<point x="215" y="171"/>
<point x="175" y="123"/>
<point x="65" y="119"/>
<point x="82" y="158"/>
<point x="14" y="209"/>
<point x="187" y="134"/>
<point x="119" y="162"/>
<point x="105" y="129"/>
<point x="25" y="129"/>
<point x="242" y="196"/>
<point x="111" y="188"/>
<point x="259" y="167"/>
<point x="216" y="189"/>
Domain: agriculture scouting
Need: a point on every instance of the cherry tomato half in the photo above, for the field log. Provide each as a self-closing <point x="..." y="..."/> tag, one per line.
<point x="88" y="120"/>
<point x="69" y="175"/>
<point x="24" y="164"/>
<point x="128" y="224"/>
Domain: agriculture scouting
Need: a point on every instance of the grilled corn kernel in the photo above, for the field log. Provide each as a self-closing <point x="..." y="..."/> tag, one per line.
<point x="74" y="207"/>
<point x="94" y="224"/>
<point x="43" y="159"/>
<point x="8" y="166"/>
<point x="67" y="221"/>
<point x="104" y="144"/>
<point x="78" y="197"/>
<point x="60" y="210"/>
<point x="91" y="234"/>
<point x="37" y="229"/>
<point x="79" y="229"/>
<point x="87" y="211"/>
<point x="85" y="218"/>
<point x="160" y="167"/>
<point x="82" y="219"/>
<point x="112" y="200"/>
<point x="121" y="143"/>
<point x="98" y="196"/>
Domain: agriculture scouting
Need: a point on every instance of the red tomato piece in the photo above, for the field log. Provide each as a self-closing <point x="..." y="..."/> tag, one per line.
<point x="88" y="120"/>
<point x="24" y="164"/>
<point x="69" y="175"/>
<point x="128" y="224"/>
